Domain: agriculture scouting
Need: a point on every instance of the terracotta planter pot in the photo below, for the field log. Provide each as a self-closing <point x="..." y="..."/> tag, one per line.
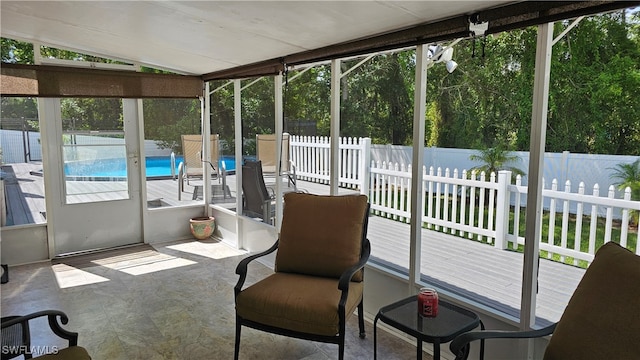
<point x="202" y="227"/>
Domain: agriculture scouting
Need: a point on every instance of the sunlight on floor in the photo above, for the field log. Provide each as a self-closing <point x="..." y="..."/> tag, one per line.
<point x="69" y="276"/>
<point x="143" y="262"/>
<point x="211" y="249"/>
<point x="83" y="270"/>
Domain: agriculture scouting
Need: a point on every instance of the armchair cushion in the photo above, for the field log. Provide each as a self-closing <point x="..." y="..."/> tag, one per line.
<point x="602" y="320"/>
<point x="309" y="247"/>
<point x="297" y="302"/>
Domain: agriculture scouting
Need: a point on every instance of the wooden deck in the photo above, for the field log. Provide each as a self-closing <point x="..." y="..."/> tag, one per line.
<point x="477" y="271"/>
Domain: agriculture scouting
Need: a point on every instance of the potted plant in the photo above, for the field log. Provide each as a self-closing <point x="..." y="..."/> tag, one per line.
<point x="202" y="227"/>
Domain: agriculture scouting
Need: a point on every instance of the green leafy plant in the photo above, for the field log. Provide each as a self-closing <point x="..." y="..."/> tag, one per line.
<point x="495" y="159"/>
<point x="628" y="175"/>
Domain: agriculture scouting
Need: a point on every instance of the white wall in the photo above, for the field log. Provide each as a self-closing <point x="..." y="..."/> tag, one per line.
<point x="170" y="223"/>
<point x="23" y="244"/>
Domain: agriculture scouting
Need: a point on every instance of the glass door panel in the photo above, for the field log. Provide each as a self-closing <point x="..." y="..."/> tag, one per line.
<point x="93" y="150"/>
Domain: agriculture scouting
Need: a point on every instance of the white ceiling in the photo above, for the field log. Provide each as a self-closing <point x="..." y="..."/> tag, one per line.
<point x="198" y="37"/>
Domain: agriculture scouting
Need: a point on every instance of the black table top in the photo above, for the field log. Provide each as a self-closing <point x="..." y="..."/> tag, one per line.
<point x="450" y="322"/>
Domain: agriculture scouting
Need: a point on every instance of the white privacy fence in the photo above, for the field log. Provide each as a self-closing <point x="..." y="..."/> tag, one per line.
<point x="591" y="169"/>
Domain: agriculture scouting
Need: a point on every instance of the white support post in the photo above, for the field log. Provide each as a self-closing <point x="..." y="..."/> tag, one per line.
<point x="419" y="107"/>
<point x="37" y="54"/>
<point x="536" y="163"/>
<point x="277" y="80"/>
<point x="206" y="147"/>
<point x="334" y="144"/>
<point x="364" y="165"/>
<point x="49" y="113"/>
<point x="237" y="117"/>
<point x="502" y="209"/>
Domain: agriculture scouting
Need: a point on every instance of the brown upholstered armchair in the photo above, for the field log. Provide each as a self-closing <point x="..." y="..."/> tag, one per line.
<point x="318" y="278"/>
<point x="601" y="321"/>
<point x="16" y="337"/>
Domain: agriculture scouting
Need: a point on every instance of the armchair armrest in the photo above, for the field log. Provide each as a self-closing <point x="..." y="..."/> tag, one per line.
<point x="241" y="269"/>
<point x="458" y="344"/>
<point x="53" y="316"/>
<point x="345" y="278"/>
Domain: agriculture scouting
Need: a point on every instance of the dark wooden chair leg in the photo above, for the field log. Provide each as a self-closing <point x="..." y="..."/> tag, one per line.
<point x="236" y="351"/>
<point x="361" y="319"/>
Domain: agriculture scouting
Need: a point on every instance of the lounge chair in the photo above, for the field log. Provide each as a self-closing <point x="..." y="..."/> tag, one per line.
<point x="266" y="153"/>
<point x="191" y="166"/>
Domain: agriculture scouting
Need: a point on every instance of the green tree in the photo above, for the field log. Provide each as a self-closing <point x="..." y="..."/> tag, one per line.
<point x="595" y="75"/>
<point x="14" y="51"/>
<point x="166" y="119"/>
<point x="307" y="100"/>
<point x="16" y="108"/>
<point x="378" y="99"/>
<point x="222" y="116"/>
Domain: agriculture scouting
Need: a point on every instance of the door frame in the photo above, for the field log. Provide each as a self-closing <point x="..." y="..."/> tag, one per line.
<point x="101" y="229"/>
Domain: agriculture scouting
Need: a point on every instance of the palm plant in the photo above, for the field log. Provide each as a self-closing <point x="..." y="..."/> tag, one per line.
<point x="495" y="159"/>
<point x="628" y="175"/>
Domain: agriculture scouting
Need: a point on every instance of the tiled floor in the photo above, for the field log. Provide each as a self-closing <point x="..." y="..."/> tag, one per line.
<point x="170" y="301"/>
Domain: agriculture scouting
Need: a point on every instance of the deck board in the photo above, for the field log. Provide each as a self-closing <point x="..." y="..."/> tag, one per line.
<point x="469" y="268"/>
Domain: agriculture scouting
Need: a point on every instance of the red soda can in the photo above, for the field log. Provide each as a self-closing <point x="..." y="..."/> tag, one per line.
<point x="428" y="302"/>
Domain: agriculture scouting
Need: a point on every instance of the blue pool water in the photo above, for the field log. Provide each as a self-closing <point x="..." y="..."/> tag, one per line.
<point x="157" y="167"/>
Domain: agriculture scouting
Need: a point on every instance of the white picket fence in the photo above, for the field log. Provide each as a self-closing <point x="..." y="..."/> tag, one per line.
<point x="470" y="205"/>
<point x="311" y="156"/>
<point x="586" y="219"/>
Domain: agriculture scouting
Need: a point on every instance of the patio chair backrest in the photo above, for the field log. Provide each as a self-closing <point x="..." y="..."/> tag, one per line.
<point x="192" y="153"/>
<point x="266" y="152"/>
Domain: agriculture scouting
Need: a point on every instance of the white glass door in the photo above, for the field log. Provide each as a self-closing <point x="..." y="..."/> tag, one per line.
<point x="92" y="167"/>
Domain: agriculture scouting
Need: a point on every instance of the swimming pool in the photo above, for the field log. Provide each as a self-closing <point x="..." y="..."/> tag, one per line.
<point x="157" y="167"/>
